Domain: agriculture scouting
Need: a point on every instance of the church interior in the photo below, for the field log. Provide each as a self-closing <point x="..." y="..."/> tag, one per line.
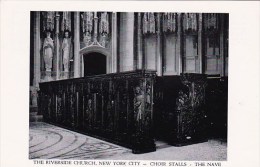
<point x="115" y="85"/>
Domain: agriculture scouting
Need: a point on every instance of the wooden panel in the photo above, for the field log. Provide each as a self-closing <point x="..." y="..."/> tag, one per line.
<point x="180" y="108"/>
<point x="115" y="107"/>
<point x="217" y="106"/>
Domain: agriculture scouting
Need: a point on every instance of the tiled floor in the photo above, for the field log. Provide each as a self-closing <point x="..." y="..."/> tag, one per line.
<point x="48" y="141"/>
<point x="52" y="142"/>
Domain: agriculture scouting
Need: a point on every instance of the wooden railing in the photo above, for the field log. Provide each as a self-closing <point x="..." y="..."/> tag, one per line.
<point x="115" y="107"/>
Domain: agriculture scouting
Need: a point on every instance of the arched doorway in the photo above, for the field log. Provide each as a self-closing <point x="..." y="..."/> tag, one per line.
<point x="94" y="64"/>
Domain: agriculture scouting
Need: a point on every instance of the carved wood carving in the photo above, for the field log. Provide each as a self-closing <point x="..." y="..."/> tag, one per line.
<point x="111" y="105"/>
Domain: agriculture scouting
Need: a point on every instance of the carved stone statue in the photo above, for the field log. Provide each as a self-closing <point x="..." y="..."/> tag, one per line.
<point x="66" y="48"/>
<point x="48" y="48"/>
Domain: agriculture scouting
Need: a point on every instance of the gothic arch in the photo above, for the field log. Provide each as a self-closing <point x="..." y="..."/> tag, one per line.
<point x="97" y="49"/>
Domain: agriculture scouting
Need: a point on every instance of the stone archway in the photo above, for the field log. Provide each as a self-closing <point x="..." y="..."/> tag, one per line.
<point x="90" y="52"/>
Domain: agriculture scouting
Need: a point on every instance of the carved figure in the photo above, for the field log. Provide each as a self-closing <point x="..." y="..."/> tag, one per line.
<point x="138" y="103"/>
<point x="66" y="48"/>
<point x="148" y="96"/>
<point x="182" y="101"/>
<point x="88" y="110"/>
<point x="48" y="48"/>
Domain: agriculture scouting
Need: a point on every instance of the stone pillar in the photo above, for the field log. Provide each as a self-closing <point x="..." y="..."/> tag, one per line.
<point x="139" y="43"/>
<point x="95" y="27"/>
<point x="37" y="59"/>
<point x="221" y="64"/>
<point x="57" y="47"/>
<point x="200" y="52"/>
<point x="126" y="45"/>
<point x="178" y="45"/>
<point x="114" y="43"/>
<point x="158" y="48"/>
<point x="76" y="46"/>
<point x="37" y="48"/>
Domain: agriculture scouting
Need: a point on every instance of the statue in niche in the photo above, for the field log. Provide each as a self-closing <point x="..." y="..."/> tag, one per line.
<point x="66" y="49"/>
<point x="138" y="103"/>
<point x="48" y="48"/>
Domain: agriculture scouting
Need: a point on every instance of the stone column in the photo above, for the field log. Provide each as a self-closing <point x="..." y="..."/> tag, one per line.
<point x="95" y="27"/>
<point x="221" y="64"/>
<point x="37" y="59"/>
<point x="37" y="48"/>
<point x="57" y="46"/>
<point x="178" y="45"/>
<point x="76" y="46"/>
<point x="126" y="45"/>
<point x="114" y="43"/>
<point x="200" y="52"/>
<point x="139" y="43"/>
<point x="158" y="48"/>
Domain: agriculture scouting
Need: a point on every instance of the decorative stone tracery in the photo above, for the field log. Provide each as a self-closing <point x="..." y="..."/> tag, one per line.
<point x="211" y="21"/>
<point x="190" y="22"/>
<point x="48" y="21"/>
<point x="66" y="22"/>
<point x="103" y="28"/>
<point x="87" y="26"/>
<point x="149" y="23"/>
<point x="169" y="22"/>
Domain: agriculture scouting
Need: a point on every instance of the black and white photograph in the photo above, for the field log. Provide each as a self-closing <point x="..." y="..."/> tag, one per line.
<point x="128" y="85"/>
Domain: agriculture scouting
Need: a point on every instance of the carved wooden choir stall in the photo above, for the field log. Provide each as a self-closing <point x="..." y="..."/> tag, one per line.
<point x="114" y="107"/>
<point x="124" y="109"/>
<point x="180" y="114"/>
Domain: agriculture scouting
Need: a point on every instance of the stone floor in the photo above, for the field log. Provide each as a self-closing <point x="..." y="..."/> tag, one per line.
<point x="52" y="142"/>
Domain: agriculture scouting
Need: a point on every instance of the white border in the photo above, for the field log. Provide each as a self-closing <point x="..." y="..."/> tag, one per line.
<point x="243" y="123"/>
